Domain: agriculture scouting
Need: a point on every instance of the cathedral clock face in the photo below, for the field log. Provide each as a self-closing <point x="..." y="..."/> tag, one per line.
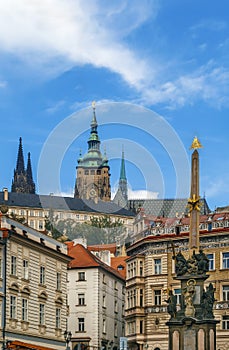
<point x="92" y="193"/>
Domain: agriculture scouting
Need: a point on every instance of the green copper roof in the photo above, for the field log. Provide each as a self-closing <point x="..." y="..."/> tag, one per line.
<point x="93" y="157"/>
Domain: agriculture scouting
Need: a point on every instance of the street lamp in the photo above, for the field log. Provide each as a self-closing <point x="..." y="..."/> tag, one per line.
<point x="67" y="337"/>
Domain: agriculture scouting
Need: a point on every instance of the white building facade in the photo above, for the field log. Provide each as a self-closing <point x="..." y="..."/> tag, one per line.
<point x="96" y="297"/>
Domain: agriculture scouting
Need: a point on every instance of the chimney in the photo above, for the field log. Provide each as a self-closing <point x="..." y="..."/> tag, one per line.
<point x="5" y="194"/>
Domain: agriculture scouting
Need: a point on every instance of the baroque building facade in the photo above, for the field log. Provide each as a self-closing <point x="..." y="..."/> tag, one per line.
<point x="33" y="288"/>
<point x="151" y="272"/>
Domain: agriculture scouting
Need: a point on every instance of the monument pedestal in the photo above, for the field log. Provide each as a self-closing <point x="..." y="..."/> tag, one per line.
<point x="192" y="334"/>
<point x="193" y="327"/>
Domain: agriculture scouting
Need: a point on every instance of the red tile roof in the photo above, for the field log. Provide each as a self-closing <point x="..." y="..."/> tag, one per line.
<point x="83" y="258"/>
<point x="119" y="261"/>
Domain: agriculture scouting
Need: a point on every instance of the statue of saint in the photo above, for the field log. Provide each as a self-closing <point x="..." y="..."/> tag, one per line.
<point x="202" y="262"/>
<point x="180" y="264"/>
<point x="189" y="293"/>
<point x="207" y="302"/>
<point x="172" y="304"/>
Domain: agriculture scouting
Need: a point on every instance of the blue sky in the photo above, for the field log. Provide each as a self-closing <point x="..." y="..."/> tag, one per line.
<point x="163" y="57"/>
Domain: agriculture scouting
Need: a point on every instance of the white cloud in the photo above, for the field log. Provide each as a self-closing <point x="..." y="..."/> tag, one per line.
<point x="210" y="83"/>
<point x="142" y="194"/>
<point x="75" y="33"/>
<point x="55" y="35"/>
<point x="136" y="194"/>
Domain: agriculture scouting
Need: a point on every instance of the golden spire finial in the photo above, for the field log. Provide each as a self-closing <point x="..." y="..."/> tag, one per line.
<point x="196" y="143"/>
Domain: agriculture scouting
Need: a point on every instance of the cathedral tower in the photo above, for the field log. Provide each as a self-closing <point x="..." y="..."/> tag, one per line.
<point x="93" y="177"/>
<point x="23" y="178"/>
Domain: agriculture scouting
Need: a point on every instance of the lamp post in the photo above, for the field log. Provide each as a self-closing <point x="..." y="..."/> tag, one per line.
<point x="67" y="337"/>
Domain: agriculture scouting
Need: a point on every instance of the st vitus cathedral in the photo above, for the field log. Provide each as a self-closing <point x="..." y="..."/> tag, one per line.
<point x="92" y="177"/>
<point x="93" y="171"/>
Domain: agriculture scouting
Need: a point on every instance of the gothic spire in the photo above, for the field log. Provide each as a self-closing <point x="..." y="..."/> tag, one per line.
<point x="23" y="179"/>
<point x="94" y="142"/>
<point x="121" y="196"/>
<point x="122" y="170"/>
<point x="20" y="167"/>
<point x="29" y="176"/>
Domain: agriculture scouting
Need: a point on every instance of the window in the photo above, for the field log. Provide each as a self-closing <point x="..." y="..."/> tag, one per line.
<point x="42" y="275"/>
<point x="104" y="300"/>
<point x="225" y="322"/>
<point x="104" y="325"/>
<point x="86" y="172"/>
<point x="157" y="297"/>
<point x="104" y="279"/>
<point x="141" y="268"/>
<point x="40" y="225"/>
<point x="13" y="265"/>
<point x="157" y="266"/>
<point x="141" y="327"/>
<point x="41" y="314"/>
<point x="141" y="297"/>
<point x="13" y="307"/>
<point x="81" y="324"/>
<point x="116" y="306"/>
<point x="211" y="261"/>
<point x="115" y="330"/>
<point x="58" y="318"/>
<point x="25" y="269"/>
<point x="131" y="327"/>
<point x="177" y="293"/>
<point x="225" y="293"/>
<point x="81" y="299"/>
<point x="120" y="267"/>
<point x="24" y="313"/>
<point x="225" y="260"/>
<point x="58" y="281"/>
<point x="81" y="276"/>
<point x="31" y="213"/>
<point x="31" y="223"/>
